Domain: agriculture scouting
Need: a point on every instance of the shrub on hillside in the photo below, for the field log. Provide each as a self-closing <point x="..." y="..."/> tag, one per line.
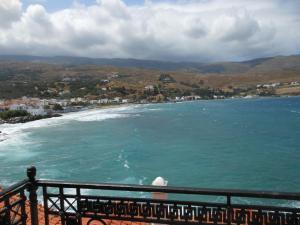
<point x="7" y="114"/>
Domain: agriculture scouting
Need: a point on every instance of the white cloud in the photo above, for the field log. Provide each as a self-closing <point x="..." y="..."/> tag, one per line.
<point x="186" y="30"/>
<point x="10" y="11"/>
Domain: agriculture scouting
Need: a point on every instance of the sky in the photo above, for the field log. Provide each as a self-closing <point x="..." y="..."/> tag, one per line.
<point x="54" y="5"/>
<point x="170" y="30"/>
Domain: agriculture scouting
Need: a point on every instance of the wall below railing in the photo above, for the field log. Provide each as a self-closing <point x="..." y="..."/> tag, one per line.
<point x="74" y="203"/>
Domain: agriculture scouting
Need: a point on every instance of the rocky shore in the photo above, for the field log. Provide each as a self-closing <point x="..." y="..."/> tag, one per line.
<point x="24" y="119"/>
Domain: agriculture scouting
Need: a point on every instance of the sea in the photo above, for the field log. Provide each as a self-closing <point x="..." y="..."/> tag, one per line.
<point x="251" y="144"/>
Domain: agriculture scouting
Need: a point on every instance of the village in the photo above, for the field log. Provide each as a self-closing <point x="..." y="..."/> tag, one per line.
<point x="48" y="107"/>
<point x="71" y="94"/>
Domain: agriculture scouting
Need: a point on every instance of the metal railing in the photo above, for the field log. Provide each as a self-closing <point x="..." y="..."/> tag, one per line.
<point x="12" y="205"/>
<point x="74" y="203"/>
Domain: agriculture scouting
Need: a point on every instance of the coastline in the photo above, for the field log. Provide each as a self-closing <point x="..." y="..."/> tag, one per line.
<point x="115" y="106"/>
<point x="86" y="114"/>
<point x="8" y="130"/>
<point x="75" y="145"/>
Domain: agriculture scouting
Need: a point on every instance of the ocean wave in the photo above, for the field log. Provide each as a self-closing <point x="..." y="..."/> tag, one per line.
<point x="14" y="147"/>
<point x="6" y="183"/>
<point x="98" y="114"/>
<point x="120" y="156"/>
<point x="292" y="204"/>
<point x="17" y="137"/>
<point x="126" y="165"/>
<point x="294" y="111"/>
<point x="128" y="180"/>
<point x="17" y="132"/>
<point x="81" y="116"/>
<point x="123" y="160"/>
<point x="154" y="109"/>
<point x="100" y="117"/>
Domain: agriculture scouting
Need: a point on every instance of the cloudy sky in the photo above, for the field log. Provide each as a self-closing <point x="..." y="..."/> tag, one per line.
<point x="182" y="30"/>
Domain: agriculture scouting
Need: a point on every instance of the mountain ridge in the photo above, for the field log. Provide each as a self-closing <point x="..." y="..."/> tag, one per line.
<point x="227" y="67"/>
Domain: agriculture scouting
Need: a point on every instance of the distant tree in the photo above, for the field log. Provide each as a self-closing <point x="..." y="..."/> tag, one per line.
<point x="195" y="86"/>
<point x="166" y="78"/>
<point x="57" y="107"/>
<point x="7" y="114"/>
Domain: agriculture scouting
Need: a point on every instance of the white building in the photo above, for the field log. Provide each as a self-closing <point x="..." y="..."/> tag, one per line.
<point x="149" y="88"/>
<point x="73" y="100"/>
<point x="105" y="81"/>
<point x="103" y="101"/>
<point x="18" y="107"/>
<point x="271" y="85"/>
<point x="64" y="92"/>
<point x="36" y="111"/>
<point x="117" y="99"/>
<point x="93" y="102"/>
<point x="63" y="103"/>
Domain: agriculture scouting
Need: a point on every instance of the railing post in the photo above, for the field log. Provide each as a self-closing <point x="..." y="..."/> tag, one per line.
<point x="7" y="213"/>
<point x="229" y="209"/>
<point x="32" y="187"/>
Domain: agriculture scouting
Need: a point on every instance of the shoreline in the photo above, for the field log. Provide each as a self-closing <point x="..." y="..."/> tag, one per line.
<point x="4" y="135"/>
<point x="114" y="106"/>
<point x="8" y="130"/>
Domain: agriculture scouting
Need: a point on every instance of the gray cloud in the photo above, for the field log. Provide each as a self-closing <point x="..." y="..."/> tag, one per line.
<point x="10" y="11"/>
<point x="208" y="30"/>
<point x="239" y="28"/>
<point x="195" y="28"/>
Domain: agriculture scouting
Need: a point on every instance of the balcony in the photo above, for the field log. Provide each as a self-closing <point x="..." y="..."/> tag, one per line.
<point x="73" y="203"/>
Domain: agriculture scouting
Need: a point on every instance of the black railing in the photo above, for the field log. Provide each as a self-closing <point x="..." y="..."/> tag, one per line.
<point x="73" y="203"/>
<point x="12" y="205"/>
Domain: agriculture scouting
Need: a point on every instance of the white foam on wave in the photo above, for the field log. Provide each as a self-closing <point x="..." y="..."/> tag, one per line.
<point x="154" y="109"/>
<point x="100" y="117"/>
<point x="126" y="165"/>
<point x="292" y="204"/>
<point x="294" y="111"/>
<point x="120" y="156"/>
<point x="17" y="137"/>
<point x="123" y="160"/>
<point x="14" y="147"/>
<point x="6" y="183"/>
<point x="98" y="114"/>
<point x="17" y="133"/>
<point x="142" y="180"/>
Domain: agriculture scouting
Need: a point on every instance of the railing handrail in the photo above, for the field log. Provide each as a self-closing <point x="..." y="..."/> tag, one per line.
<point x="172" y="190"/>
<point x="140" y="209"/>
<point x="11" y="190"/>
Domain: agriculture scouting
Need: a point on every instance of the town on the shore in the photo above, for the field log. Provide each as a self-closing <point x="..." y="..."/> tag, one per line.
<point x="28" y="108"/>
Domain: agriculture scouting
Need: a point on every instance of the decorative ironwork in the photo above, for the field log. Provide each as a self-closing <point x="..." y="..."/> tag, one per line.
<point x="66" y="201"/>
<point x="169" y="212"/>
<point x="12" y="205"/>
<point x="75" y="207"/>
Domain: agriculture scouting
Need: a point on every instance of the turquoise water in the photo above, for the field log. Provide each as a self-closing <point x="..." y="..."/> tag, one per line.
<point x="244" y="144"/>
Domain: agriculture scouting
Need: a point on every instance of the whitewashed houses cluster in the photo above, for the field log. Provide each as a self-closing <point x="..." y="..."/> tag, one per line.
<point x="42" y="107"/>
<point x="273" y="85"/>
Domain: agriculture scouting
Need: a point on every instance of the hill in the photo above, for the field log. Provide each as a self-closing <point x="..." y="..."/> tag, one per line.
<point x="279" y="63"/>
<point x="67" y="77"/>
